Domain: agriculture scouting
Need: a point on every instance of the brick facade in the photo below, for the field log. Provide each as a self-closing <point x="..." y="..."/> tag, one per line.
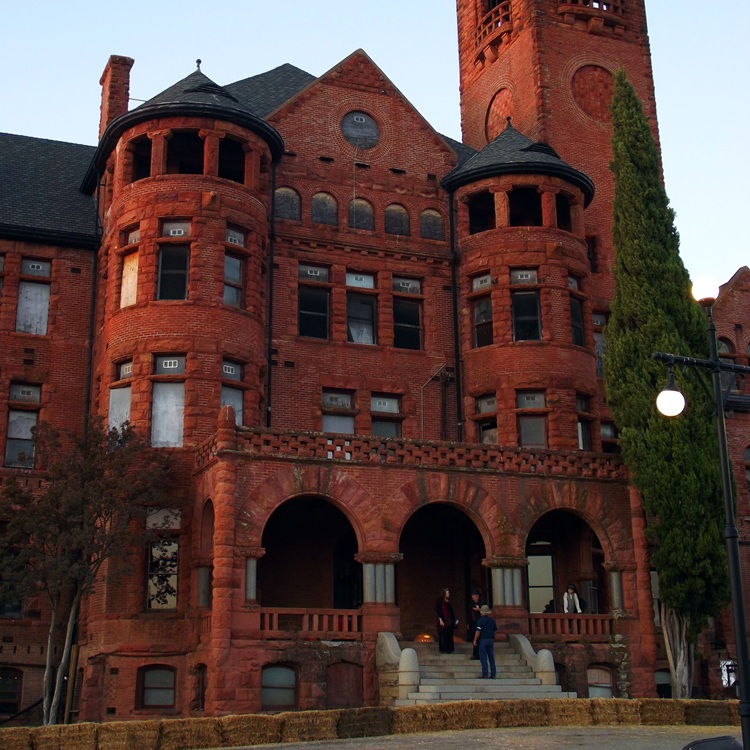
<point x="375" y="354"/>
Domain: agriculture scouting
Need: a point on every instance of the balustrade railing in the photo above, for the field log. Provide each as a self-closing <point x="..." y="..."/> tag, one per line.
<point x="608" y="6"/>
<point x="320" y="624"/>
<point x="496" y="19"/>
<point x="570" y="627"/>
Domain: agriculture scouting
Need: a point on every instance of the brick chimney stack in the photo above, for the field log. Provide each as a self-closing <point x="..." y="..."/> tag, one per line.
<point x="115" y="83"/>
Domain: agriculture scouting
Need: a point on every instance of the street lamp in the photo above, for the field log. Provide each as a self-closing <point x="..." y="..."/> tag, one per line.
<point x="670" y="403"/>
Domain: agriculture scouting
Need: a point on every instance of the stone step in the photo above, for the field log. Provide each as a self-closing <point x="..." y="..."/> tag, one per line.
<point x="444" y="674"/>
<point x="458" y="694"/>
<point x="421" y="701"/>
<point x="480" y="684"/>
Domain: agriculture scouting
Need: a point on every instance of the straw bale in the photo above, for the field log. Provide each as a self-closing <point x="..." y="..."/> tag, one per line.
<point x="372" y="721"/>
<point x="250" y="729"/>
<point x="15" y="738"/>
<point x="662" y="711"/>
<point x="128" y="735"/>
<point x="79" y="736"/>
<point x="615" y="711"/>
<point x="307" y="726"/>
<point x="415" y="719"/>
<point x="46" y="738"/>
<point x="470" y="714"/>
<point x="522" y="713"/>
<point x="186" y="734"/>
<point x="709" y="713"/>
<point x="569" y="712"/>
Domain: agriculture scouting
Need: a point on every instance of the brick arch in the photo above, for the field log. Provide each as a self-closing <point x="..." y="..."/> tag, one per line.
<point x="335" y="486"/>
<point x="460" y="491"/>
<point x="607" y="523"/>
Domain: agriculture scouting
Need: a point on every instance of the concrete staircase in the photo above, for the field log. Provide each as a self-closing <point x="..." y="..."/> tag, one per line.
<point x="455" y="677"/>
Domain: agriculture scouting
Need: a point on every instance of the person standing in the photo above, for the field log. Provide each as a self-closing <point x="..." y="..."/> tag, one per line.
<point x="473" y="615"/>
<point x="485" y="638"/>
<point x="571" y="602"/>
<point x="446" y="620"/>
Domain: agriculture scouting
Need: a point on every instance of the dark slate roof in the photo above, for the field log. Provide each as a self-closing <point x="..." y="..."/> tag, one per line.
<point x="264" y="93"/>
<point x="463" y="151"/>
<point x="513" y="153"/>
<point x="39" y="191"/>
<point x="196" y="88"/>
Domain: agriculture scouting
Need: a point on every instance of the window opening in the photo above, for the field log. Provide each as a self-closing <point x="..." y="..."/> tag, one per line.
<point x="532" y="427"/>
<point x="278" y="688"/>
<point x="232" y="160"/>
<point x="185" y="153"/>
<point x="174" y="262"/>
<point x="338" y="411"/>
<point x="564" y="220"/>
<point x="523" y="276"/>
<point x="407" y="323"/>
<point x="141" y="158"/>
<point x="483" y="335"/>
<point x="360" y="318"/>
<point x="527" y="323"/>
<point x="10" y="691"/>
<point x="234" y="280"/>
<point x="313" y="302"/>
<point x="481" y="212"/>
<point x="385" y="410"/>
<point x="583" y="407"/>
<point x="156" y="687"/>
<point x="231" y="395"/>
<point x="19" y="443"/>
<point x="431" y="225"/>
<point x="525" y="205"/>
<point x="576" y="321"/>
<point x="129" y="281"/>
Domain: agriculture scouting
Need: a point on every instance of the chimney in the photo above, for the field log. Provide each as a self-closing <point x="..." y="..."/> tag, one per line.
<point x="115" y="82"/>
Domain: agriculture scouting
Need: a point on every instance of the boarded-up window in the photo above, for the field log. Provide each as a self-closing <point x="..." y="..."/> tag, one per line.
<point x="119" y="407"/>
<point x="129" y="285"/>
<point x="431" y="225"/>
<point x="167" y="411"/>
<point x="361" y="215"/>
<point x="287" y="204"/>
<point x="324" y="210"/>
<point x="397" y="220"/>
<point x="33" y="308"/>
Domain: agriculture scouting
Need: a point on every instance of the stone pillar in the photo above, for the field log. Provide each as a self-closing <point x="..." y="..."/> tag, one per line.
<point x="252" y="167"/>
<point x="211" y="140"/>
<point x="506" y="587"/>
<point x="509" y="608"/>
<point x="379" y="611"/>
<point x="159" y="140"/>
<point x="549" y="208"/>
<point x="615" y="587"/>
<point x="252" y="555"/>
<point x="502" y="210"/>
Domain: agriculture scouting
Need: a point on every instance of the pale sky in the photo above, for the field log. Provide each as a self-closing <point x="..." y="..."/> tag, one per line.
<point x="54" y="53"/>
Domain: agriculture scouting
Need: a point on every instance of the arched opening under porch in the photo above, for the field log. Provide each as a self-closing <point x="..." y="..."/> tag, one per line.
<point x="562" y="549"/>
<point x="309" y="568"/>
<point x="442" y="548"/>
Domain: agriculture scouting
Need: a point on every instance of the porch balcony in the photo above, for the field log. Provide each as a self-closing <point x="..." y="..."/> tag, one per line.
<point x="570" y="628"/>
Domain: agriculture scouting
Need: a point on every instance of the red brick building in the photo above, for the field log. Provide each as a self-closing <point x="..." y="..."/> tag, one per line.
<point x="375" y="353"/>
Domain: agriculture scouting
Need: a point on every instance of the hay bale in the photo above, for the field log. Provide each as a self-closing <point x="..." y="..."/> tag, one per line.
<point x="307" y="726"/>
<point x="186" y="734"/>
<point x="79" y="736"/>
<point x="569" y="712"/>
<point x="15" y="738"/>
<point x="128" y="735"/>
<point x="372" y="721"/>
<point x="46" y="738"/>
<point x="662" y="711"/>
<point x="470" y="715"/>
<point x="708" y="713"/>
<point x="250" y="729"/>
<point x="522" y="713"/>
<point x="415" y="719"/>
<point x="615" y="711"/>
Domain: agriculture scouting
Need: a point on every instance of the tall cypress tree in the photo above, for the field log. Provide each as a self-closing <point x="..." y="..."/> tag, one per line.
<point x="674" y="462"/>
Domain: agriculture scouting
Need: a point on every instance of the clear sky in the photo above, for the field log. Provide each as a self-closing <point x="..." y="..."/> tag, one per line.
<point x="54" y="53"/>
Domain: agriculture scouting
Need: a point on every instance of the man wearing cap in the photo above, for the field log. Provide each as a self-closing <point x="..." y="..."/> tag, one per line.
<point x="485" y="637"/>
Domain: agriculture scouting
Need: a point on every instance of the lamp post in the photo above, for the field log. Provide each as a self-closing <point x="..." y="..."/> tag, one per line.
<point x="670" y="403"/>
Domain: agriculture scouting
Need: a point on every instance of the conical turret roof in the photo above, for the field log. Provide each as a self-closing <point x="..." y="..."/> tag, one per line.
<point x="513" y="153"/>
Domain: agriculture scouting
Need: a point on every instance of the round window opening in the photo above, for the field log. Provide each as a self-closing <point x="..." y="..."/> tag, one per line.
<point x="360" y="130"/>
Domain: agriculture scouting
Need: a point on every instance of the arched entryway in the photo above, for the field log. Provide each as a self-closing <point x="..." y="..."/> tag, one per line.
<point x="441" y="547"/>
<point x="562" y="548"/>
<point x="309" y="561"/>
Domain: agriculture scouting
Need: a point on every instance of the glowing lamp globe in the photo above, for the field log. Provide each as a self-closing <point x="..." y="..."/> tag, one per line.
<point x="670" y="402"/>
<point x="705" y="290"/>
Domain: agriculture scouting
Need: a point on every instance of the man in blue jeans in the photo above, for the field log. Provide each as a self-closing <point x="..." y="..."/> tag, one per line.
<point x="485" y="637"/>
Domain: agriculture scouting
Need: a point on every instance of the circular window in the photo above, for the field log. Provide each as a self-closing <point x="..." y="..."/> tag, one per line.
<point x="360" y="130"/>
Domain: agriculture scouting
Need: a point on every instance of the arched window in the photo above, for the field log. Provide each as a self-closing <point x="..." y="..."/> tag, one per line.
<point x="397" y="220"/>
<point x="325" y="209"/>
<point x="156" y="687"/>
<point x="361" y="215"/>
<point x="287" y="204"/>
<point x="10" y="691"/>
<point x="600" y="682"/>
<point x="431" y="225"/>
<point x="278" y="688"/>
<point x="141" y="148"/>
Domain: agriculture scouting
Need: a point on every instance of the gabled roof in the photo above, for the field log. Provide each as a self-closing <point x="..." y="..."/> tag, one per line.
<point x="513" y="153"/>
<point x="263" y="93"/>
<point x="40" y="199"/>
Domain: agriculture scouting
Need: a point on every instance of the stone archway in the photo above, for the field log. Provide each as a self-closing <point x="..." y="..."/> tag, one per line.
<point x="441" y="547"/>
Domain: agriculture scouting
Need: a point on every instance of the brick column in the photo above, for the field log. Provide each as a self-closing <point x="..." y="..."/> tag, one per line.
<point x="159" y="140"/>
<point x="502" y="211"/>
<point x="211" y="140"/>
<point x="509" y="609"/>
<point x="379" y="610"/>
